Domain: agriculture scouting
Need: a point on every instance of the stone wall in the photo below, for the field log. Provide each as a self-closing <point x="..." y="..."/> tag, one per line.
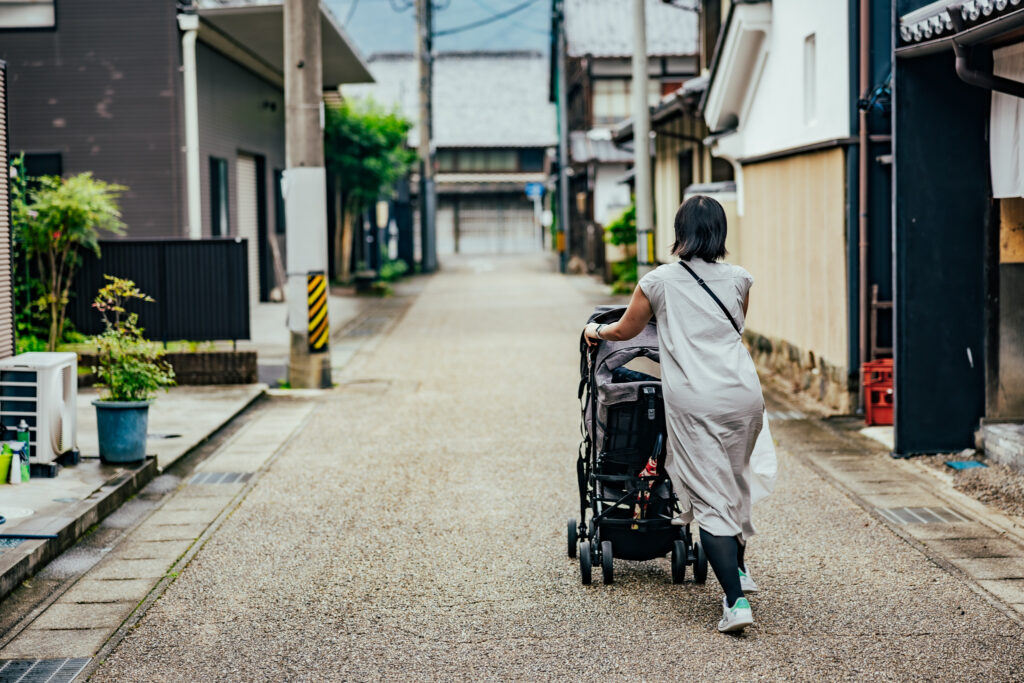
<point x="809" y="374"/>
<point x="199" y="368"/>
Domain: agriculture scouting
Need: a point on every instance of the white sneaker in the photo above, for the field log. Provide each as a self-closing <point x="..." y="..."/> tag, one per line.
<point x="747" y="584"/>
<point x="737" y="617"/>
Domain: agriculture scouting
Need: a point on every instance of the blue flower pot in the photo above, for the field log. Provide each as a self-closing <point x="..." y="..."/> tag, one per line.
<point x="121" y="427"/>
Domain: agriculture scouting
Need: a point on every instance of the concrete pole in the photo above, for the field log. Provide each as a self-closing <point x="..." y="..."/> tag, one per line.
<point x="428" y="196"/>
<point x="641" y="145"/>
<point x="563" y="143"/>
<point x="189" y="25"/>
<point x="305" y="196"/>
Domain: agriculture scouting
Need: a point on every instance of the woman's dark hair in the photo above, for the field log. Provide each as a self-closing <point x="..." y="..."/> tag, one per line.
<point x="700" y="230"/>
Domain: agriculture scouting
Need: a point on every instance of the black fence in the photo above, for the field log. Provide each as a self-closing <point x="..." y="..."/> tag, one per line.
<point x="200" y="287"/>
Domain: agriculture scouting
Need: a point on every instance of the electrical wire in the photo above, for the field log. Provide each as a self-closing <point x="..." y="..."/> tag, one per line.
<point x="351" y="11"/>
<point x="520" y="24"/>
<point x="483" y="22"/>
<point x="686" y="8"/>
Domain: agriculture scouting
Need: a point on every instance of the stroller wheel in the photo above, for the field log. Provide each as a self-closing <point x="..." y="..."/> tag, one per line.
<point x="573" y="537"/>
<point x="607" y="569"/>
<point x="678" y="562"/>
<point x="586" y="562"/>
<point x="700" y="565"/>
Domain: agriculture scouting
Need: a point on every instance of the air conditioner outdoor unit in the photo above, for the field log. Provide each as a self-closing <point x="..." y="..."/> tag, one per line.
<point x="42" y="390"/>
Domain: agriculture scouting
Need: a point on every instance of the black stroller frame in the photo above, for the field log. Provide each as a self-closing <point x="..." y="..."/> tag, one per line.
<point x="630" y="511"/>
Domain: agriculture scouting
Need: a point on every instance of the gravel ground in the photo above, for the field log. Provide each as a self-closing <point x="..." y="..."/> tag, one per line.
<point x="416" y="532"/>
<point x="996" y="484"/>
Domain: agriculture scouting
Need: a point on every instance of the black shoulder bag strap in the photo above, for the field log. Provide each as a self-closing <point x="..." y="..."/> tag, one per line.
<point x="713" y="296"/>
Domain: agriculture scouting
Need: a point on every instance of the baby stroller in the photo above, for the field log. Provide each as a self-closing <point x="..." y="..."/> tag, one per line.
<point x="620" y="468"/>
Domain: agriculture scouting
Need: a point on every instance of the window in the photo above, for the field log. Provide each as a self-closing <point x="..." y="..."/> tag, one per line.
<point x="498" y="160"/>
<point x="27" y="14"/>
<point x="810" y="80"/>
<point x="488" y="160"/>
<point x="721" y="170"/>
<point x="43" y="163"/>
<point x="279" y="222"/>
<point x="531" y="160"/>
<point x="446" y="160"/>
<point x="219" y="223"/>
<point x="685" y="172"/>
<point x="612" y="100"/>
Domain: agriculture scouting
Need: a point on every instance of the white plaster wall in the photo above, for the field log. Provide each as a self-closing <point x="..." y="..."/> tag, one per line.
<point x="610" y="195"/>
<point x="773" y="119"/>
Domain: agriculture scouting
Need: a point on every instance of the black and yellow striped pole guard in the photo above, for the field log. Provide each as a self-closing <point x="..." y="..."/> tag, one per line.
<point x="316" y="301"/>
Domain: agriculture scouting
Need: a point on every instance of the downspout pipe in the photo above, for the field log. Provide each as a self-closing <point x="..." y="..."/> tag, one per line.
<point x="862" y="198"/>
<point x="188" y="22"/>
<point x="976" y="77"/>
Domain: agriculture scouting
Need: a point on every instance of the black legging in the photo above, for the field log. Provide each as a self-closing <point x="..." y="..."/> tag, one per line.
<point x="725" y="555"/>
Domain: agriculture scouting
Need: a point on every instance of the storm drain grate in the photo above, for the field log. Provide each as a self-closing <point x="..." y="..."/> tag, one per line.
<point x="221" y="478"/>
<point x="41" y="670"/>
<point x="907" y="515"/>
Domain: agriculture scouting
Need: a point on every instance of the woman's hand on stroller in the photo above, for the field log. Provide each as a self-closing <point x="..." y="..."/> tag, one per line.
<point x="590" y="333"/>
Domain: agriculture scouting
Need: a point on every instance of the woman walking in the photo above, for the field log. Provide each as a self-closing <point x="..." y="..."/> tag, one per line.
<point x="713" y="402"/>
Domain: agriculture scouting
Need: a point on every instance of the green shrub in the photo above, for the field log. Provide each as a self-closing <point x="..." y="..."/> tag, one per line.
<point x="624" y="275"/>
<point x="622" y="229"/>
<point x="392" y="270"/>
<point x="128" y="366"/>
<point x="54" y="220"/>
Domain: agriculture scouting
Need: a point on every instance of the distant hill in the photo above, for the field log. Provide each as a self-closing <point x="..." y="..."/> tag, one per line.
<point x="376" y="26"/>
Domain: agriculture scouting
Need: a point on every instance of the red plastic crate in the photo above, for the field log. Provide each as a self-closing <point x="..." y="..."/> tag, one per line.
<point x="878" y="405"/>
<point x="878" y="372"/>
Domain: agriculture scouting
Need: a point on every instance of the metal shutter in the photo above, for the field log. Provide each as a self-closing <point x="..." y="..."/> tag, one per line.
<point x="248" y="219"/>
<point x="6" y="293"/>
<point x="497" y="225"/>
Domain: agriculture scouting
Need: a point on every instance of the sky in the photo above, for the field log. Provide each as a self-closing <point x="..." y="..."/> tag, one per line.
<point x="379" y="26"/>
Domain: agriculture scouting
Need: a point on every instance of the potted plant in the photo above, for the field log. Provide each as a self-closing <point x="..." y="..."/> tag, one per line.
<point x="129" y="369"/>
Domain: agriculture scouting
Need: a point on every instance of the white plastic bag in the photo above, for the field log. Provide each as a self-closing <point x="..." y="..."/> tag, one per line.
<point x="763" y="470"/>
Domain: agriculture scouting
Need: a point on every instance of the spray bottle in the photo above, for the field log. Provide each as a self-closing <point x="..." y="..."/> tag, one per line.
<point x="24" y="436"/>
<point x="14" y="476"/>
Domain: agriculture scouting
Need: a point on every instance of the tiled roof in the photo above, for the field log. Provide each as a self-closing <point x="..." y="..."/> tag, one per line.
<point x="933" y="22"/>
<point x="604" y="28"/>
<point x="481" y="99"/>
<point x="584" y="147"/>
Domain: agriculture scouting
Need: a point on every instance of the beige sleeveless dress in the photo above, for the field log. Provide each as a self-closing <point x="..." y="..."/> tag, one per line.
<point x="713" y="402"/>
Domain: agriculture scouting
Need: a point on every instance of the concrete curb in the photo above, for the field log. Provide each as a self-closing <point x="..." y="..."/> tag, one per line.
<point x="26" y="559"/>
<point x="22" y="561"/>
<point x="191" y="448"/>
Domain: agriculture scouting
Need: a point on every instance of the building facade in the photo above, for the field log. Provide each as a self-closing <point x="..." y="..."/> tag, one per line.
<point x="101" y="87"/>
<point x="958" y="208"/>
<point x="6" y="286"/>
<point x="782" y="107"/>
<point x="491" y="140"/>
<point x="598" y="78"/>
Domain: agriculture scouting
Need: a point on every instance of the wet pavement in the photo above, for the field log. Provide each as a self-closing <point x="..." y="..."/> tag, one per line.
<point x="413" y="529"/>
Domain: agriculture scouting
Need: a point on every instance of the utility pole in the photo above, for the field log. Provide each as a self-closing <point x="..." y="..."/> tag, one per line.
<point x="305" y="197"/>
<point x="428" y="191"/>
<point x="642" y="145"/>
<point x="561" y="95"/>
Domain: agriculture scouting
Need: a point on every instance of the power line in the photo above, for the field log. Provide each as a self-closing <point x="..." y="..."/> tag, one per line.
<point x="351" y="11"/>
<point x="520" y="24"/>
<point x="483" y="22"/>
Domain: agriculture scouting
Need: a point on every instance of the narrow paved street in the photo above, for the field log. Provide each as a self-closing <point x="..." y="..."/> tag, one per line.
<point x="414" y="530"/>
